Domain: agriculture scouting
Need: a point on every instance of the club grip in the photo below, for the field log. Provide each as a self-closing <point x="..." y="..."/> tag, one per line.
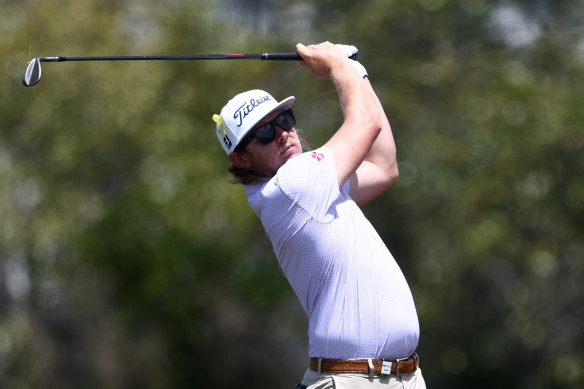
<point x="290" y="56"/>
<point x="282" y="56"/>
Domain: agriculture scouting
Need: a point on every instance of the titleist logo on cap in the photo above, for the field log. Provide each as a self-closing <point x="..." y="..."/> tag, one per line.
<point x="246" y="108"/>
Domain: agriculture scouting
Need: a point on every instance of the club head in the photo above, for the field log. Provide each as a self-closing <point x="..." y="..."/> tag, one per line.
<point x="32" y="75"/>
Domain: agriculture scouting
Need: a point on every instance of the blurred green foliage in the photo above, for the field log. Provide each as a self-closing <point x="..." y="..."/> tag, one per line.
<point x="127" y="259"/>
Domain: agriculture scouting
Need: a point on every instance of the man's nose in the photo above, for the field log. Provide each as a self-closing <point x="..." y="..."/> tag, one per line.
<point x="281" y="135"/>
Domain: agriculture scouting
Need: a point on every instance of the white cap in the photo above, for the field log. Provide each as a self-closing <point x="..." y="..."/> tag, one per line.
<point x="242" y="113"/>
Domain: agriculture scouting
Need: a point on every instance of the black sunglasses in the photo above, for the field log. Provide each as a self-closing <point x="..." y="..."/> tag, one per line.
<point x="266" y="133"/>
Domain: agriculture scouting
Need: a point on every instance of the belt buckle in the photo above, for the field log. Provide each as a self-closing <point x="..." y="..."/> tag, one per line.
<point x="397" y="361"/>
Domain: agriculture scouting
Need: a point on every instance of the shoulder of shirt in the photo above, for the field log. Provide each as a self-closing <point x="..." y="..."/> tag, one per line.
<point x="307" y="155"/>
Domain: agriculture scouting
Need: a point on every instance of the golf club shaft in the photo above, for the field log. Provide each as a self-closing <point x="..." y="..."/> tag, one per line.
<point x="262" y="56"/>
<point x="32" y="75"/>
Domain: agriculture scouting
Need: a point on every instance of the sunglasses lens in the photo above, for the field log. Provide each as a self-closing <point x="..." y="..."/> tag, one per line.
<point x="285" y="120"/>
<point x="266" y="133"/>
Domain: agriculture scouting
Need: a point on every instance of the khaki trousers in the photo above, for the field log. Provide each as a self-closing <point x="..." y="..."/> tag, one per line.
<point x="313" y="380"/>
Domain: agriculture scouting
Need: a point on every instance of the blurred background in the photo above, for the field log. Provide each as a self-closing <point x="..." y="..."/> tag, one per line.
<point x="129" y="260"/>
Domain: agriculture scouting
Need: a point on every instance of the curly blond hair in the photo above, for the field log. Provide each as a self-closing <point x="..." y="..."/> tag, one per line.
<point x="251" y="176"/>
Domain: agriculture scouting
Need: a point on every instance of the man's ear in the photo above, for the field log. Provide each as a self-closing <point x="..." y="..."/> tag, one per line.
<point x="240" y="159"/>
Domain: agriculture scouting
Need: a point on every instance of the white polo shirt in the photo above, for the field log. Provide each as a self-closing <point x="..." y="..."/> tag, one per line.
<point x="358" y="302"/>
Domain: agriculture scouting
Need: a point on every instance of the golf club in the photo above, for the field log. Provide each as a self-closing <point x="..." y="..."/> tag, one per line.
<point x="33" y="72"/>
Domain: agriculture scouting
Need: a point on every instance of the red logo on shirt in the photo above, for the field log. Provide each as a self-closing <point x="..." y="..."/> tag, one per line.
<point x="318" y="156"/>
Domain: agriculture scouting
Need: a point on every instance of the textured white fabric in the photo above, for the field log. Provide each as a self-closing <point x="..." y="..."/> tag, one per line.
<point x="357" y="300"/>
<point x="313" y="380"/>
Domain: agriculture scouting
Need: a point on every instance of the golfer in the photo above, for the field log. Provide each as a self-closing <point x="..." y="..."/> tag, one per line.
<point x="363" y="326"/>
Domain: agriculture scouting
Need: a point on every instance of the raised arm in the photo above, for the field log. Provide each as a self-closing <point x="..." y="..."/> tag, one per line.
<point x="379" y="168"/>
<point x="362" y="123"/>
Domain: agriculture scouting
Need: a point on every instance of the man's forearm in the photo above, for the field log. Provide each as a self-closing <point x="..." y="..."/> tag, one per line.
<point x="383" y="150"/>
<point x="357" y="98"/>
<point x="379" y="167"/>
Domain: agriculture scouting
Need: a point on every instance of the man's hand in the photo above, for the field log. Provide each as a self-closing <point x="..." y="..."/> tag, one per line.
<point x="321" y="59"/>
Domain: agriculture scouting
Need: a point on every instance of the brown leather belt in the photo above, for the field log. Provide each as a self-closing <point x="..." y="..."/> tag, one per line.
<point x="398" y="367"/>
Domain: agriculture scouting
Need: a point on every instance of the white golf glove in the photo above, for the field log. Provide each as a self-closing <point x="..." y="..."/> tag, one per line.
<point x="352" y="50"/>
<point x="360" y="69"/>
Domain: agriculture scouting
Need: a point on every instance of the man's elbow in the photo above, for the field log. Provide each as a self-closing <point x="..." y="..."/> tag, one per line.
<point x="392" y="175"/>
